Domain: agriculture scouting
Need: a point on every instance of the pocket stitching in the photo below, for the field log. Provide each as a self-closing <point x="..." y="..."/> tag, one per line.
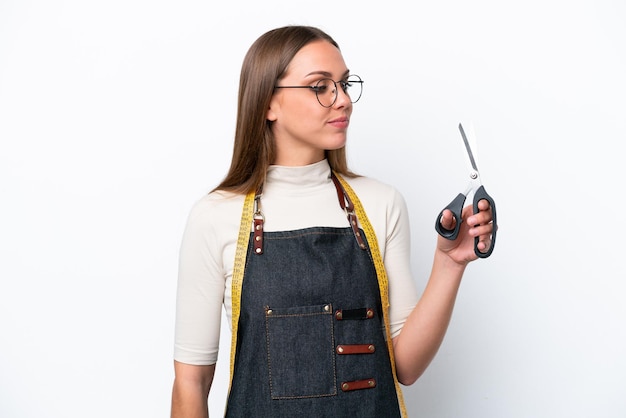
<point x="332" y="341"/>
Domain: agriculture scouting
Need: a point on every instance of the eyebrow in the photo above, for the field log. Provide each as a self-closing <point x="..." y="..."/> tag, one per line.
<point x="326" y="73"/>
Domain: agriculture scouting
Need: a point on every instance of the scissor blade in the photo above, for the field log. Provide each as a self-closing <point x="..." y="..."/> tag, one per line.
<point x="468" y="148"/>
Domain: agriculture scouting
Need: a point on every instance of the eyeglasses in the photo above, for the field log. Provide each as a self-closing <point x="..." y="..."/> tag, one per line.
<point x="326" y="89"/>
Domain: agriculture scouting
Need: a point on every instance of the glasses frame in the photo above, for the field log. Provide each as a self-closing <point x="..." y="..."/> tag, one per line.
<point x="342" y="83"/>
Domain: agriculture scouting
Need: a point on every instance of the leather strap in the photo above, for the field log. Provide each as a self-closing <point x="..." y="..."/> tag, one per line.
<point x="355" y="349"/>
<point x="358" y="384"/>
<point x="258" y="235"/>
<point x="344" y="201"/>
<point x="346" y="204"/>
<point x="258" y="221"/>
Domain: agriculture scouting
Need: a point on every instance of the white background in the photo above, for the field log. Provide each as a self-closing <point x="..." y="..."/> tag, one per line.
<point x="115" y="117"/>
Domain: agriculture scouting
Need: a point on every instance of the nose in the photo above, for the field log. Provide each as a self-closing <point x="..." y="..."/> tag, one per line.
<point x="343" y="99"/>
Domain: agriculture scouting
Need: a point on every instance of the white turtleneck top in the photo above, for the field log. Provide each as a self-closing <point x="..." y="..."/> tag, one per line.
<point x="293" y="198"/>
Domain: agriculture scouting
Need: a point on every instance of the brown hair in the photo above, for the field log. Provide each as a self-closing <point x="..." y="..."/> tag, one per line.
<point x="264" y="64"/>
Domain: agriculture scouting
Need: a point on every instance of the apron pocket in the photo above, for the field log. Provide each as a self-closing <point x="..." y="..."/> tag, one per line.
<point x="300" y="351"/>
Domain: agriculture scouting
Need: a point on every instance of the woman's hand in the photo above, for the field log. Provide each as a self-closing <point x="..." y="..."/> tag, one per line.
<point x="461" y="250"/>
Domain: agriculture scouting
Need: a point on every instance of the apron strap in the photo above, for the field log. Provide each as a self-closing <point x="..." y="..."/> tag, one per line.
<point x="344" y="201"/>
<point x="346" y="204"/>
<point x="383" y="283"/>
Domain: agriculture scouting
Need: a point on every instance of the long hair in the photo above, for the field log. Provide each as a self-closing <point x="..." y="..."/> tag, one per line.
<point x="254" y="148"/>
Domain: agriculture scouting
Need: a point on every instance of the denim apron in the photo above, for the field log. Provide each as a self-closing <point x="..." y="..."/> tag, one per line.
<point x="310" y="337"/>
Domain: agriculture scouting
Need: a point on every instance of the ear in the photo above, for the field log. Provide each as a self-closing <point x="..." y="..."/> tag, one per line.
<point x="272" y="110"/>
<point x="271" y="114"/>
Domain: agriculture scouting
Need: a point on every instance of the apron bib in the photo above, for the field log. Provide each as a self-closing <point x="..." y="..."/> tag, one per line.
<point x="310" y="334"/>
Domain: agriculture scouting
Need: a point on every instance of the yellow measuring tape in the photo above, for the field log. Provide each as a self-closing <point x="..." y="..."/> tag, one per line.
<point x="240" y="262"/>
<point x="383" y="283"/>
<point x="238" y="270"/>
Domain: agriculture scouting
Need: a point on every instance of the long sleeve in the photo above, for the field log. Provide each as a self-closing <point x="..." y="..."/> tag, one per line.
<point x="205" y="266"/>
<point x="293" y="198"/>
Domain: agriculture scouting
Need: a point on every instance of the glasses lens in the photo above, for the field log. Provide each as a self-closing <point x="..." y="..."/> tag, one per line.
<point x="326" y="91"/>
<point x="353" y="87"/>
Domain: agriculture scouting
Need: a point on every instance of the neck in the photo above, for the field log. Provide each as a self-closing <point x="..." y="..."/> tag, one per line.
<point x="296" y="158"/>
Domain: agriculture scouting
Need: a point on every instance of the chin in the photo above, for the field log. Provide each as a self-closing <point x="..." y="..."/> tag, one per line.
<point x="337" y="144"/>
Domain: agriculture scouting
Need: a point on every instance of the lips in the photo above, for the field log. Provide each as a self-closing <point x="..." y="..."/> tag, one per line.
<point x="341" y="122"/>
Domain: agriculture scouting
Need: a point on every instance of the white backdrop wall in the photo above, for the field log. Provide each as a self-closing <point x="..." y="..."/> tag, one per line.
<point x="115" y="117"/>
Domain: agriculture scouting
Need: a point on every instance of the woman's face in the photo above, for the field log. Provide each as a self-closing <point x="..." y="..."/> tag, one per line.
<point x="303" y="129"/>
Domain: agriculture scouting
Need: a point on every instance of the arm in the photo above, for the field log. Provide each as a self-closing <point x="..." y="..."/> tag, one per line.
<point x="191" y="390"/>
<point x="425" y="328"/>
<point x="200" y="296"/>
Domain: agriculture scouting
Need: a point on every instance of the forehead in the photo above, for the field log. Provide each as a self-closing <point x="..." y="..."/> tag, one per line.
<point x="318" y="57"/>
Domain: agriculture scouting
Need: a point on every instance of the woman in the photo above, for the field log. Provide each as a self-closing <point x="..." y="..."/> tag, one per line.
<point x="310" y="261"/>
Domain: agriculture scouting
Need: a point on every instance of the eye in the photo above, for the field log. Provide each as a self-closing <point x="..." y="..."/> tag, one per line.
<point x="345" y="85"/>
<point x="318" y="88"/>
<point x="325" y="85"/>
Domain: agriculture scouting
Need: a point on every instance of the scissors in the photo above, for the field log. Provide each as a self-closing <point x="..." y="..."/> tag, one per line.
<point x="456" y="206"/>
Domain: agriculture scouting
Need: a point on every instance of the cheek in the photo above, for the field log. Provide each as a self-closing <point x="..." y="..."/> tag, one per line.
<point x="302" y="114"/>
<point x="307" y="116"/>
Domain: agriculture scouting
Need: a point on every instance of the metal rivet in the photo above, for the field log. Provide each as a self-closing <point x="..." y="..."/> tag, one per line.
<point x="363" y="246"/>
<point x="326" y="308"/>
<point x="257" y="238"/>
<point x="258" y="251"/>
<point x="370" y="313"/>
<point x="269" y="311"/>
<point x="370" y="383"/>
<point x="258" y="227"/>
<point x="338" y="315"/>
<point x="345" y="386"/>
<point x="371" y="347"/>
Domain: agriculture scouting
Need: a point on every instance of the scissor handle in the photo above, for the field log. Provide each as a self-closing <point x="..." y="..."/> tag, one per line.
<point x="456" y="206"/>
<point x="481" y="194"/>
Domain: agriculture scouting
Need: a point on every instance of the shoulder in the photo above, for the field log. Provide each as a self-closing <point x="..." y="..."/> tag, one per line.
<point x="375" y="193"/>
<point x="387" y="212"/>
<point x="216" y="209"/>
<point x="216" y="202"/>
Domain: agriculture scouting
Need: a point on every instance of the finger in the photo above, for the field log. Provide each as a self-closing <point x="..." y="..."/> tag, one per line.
<point x="483" y="205"/>
<point x="483" y="245"/>
<point x="482" y="231"/>
<point x="448" y="220"/>
<point x="480" y="218"/>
